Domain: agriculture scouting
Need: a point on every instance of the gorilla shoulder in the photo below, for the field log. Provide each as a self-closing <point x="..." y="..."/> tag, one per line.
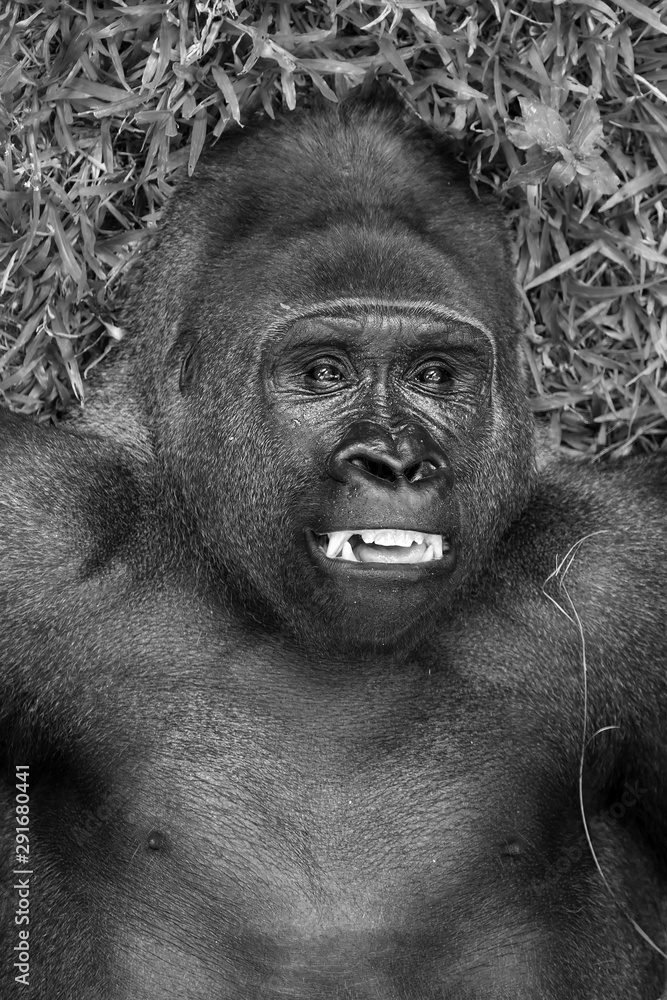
<point x="592" y="535"/>
<point x="67" y="505"/>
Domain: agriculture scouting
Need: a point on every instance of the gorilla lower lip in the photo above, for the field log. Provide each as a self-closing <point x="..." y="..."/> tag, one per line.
<point x="382" y="545"/>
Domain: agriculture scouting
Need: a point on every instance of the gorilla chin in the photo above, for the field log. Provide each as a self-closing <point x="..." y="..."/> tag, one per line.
<point x="375" y="597"/>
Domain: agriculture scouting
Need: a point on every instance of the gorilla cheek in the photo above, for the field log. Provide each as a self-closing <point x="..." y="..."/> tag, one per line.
<point x="246" y="499"/>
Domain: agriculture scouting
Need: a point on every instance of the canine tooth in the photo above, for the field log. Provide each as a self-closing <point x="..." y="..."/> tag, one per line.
<point x="336" y="540"/>
<point x="429" y="554"/>
<point x="436" y="542"/>
<point x="347" y="552"/>
<point x="368" y="536"/>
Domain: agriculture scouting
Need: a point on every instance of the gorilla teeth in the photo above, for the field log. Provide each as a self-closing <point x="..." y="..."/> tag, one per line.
<point x="339" y="544"/>
<point x="392" y="536"/>
<point x="336" y="541"/>
<point x="347" y="552"/>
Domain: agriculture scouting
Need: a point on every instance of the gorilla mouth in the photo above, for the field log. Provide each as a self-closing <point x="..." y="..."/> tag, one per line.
<point x="386" y="546"/>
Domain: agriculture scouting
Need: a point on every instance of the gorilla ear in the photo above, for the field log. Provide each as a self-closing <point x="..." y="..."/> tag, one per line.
<point x="187" y="370"/>
<point x="188" y="365"/>
<point x="183" y="355"/>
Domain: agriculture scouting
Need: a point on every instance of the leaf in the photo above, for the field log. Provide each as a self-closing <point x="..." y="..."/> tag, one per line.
<point x="228" y="92"/>
<point x="286" y="61"/>
<point x="585" y="129"/>
<point x="197" y="140"/>
<point x="424" y="18"/>
<point x="322" y="86"/>
<point x="13" y="76"/>
<point x="569" y="264"/>
<point x="393" y="56"/>
<point x="563" y="173"/>
<point x="518" y="136"/>
<point x="70" y="263"/>
<point x="644" y="13"/>
<point x="544" y="124"/>
<point x="79" y="88"/>
<point x="634" y="187"/>
<point x="68" y="356"/>
<point x="596" y="175"/>
<point x="289" y="89"/>
<point x="533" y="171"/>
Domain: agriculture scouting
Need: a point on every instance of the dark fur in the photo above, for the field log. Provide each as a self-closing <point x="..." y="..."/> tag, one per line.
<point x="247" y="782"/>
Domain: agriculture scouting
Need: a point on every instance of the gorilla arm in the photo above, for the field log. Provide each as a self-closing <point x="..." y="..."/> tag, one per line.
<point x="67" y="506"/>
<point x="595" y="543"/>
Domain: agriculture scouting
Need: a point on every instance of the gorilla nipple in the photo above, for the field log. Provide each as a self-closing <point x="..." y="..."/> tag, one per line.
<point x="156" y="841"/>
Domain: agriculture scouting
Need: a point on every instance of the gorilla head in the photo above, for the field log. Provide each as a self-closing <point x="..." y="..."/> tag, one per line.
<point x="325" y="347"/>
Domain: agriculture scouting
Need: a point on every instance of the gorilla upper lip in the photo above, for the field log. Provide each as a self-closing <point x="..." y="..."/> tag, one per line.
<point x="382" y="545"/>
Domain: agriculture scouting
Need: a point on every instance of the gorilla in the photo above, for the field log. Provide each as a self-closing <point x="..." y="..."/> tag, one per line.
<point x="318" y="679"/>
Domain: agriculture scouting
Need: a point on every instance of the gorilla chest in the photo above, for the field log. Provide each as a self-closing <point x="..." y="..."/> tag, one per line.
<point x="281" y="830"/>
<point x="283" y="863"/>
<point x="263" y="826"/>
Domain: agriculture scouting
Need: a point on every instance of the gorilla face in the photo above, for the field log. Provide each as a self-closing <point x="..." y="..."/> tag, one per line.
<point x="348" y="429"/>
<point x="352" y="487"/>
<point x="374" y="404"/>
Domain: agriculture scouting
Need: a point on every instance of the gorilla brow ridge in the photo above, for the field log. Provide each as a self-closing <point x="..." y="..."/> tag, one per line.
<point x="417" y="309"/>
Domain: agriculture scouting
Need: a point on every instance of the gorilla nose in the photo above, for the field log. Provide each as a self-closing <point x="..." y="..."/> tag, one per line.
<point x="409" y="454"/>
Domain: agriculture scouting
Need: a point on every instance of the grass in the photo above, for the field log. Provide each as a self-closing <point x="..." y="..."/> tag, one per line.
<point x="562" y="109"/>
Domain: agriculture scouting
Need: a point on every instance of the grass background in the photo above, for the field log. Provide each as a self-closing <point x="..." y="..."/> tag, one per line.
<point x="561" y="106"/>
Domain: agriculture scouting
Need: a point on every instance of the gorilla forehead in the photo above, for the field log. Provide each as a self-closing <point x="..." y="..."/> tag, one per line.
<point x="346" y="264"/>
<point x="341" y="201"/>
<point x="359" y="160"/>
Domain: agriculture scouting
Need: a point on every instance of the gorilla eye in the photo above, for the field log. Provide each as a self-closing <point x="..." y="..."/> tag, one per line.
<point x="434" y="375"/>
<point x="325" y="374"/>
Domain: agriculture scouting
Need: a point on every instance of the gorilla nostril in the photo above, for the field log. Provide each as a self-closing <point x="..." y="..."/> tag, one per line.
<point x="420" y="470"/>
<point x="377" y="469"/>
<point x="401" y="455"/>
